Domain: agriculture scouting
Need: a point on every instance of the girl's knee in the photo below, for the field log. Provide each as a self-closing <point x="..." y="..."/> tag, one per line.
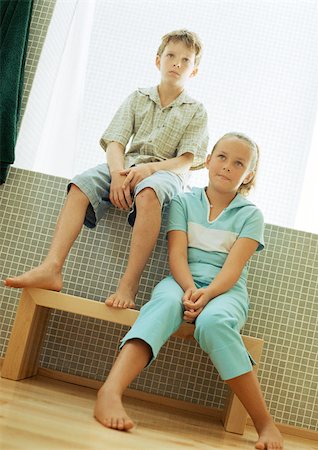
<point x="210" y="320"/>
<point x="214" y="325"/>
<point x="168" y="295"/>
<point x="170" y="302"/>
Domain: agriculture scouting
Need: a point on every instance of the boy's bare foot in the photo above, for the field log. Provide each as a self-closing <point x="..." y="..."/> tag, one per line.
<point x="124" y="297"/>
<point x="109" y="411"/>
<point x="270" y="438"/>
<point x="45" y="276"/>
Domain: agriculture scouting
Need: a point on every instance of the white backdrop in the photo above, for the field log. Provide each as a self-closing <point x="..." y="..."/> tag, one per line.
<point x="259" y="75"/>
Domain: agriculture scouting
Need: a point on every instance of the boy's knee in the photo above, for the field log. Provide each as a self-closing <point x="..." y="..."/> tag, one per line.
<point x="147" y="198"/>
<point x="75" y="191"/>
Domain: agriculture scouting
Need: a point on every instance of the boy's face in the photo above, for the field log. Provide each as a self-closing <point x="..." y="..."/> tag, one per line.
<point x="230" y="165"/>
<point x="176" y="64"/>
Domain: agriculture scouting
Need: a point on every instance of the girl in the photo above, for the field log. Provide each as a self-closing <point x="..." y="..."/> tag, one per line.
<point x="212" y="233"/>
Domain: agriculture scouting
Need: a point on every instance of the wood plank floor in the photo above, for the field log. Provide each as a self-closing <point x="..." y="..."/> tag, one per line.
<point x="43" y="414"/>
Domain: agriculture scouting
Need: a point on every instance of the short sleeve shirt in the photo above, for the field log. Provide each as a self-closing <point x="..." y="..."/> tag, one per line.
<point x="151" y="133"/>
<point x="211" y="241"/>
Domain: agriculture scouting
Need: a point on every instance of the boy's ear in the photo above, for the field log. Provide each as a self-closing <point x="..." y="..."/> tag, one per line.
<point x="158" y="61"/>
<point x="248" y="178"/>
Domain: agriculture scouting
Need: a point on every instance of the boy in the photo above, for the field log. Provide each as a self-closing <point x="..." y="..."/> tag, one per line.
<point x="169" y="132"/>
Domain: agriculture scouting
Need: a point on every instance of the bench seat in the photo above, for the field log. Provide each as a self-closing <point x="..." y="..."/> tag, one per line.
<point x="22" y="356"/>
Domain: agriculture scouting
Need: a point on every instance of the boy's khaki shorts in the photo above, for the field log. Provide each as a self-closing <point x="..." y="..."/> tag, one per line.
<point x="95" y="184"/>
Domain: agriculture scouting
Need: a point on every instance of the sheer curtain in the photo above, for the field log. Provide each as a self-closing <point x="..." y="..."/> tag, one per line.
<point x="258" y="75"/>
<point x="48" y="137"/>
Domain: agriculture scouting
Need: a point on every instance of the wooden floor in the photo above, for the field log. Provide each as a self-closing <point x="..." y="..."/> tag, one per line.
<point x="42" y="413"/>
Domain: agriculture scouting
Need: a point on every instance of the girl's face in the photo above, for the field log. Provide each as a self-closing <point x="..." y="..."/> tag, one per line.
<point x="230" y="165"/>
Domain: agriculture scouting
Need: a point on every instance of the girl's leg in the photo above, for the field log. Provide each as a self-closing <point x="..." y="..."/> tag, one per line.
<point x="248" y="390"/>
<point x="157" y="320"/>
<point x="218" y="333"/>
<point x="48" y="275"/>
<point x="109" y="410"/>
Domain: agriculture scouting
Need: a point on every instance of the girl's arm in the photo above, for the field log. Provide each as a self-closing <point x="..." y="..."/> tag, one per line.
<point x="230" y="273"/>
<point x="178" y="259"/>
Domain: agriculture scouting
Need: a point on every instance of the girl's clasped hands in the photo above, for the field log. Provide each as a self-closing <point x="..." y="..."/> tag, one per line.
<point x="194" y="300"/>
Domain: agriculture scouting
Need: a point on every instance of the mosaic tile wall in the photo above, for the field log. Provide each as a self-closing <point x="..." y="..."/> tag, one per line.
<point x="283" y="286"/>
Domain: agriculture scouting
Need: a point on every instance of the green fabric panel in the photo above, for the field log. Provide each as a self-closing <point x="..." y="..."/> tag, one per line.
<point x="15" y="18"/>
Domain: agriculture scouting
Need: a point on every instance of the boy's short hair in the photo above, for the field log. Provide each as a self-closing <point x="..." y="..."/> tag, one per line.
<point x="189" y="38"/>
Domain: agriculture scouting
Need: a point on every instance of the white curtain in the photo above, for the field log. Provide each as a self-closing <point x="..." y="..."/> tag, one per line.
<point x="258" y="75"/>
<point x="47" y="140"/>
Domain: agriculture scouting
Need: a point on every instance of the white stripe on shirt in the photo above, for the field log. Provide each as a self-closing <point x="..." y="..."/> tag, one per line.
<point x="210" y="240"/>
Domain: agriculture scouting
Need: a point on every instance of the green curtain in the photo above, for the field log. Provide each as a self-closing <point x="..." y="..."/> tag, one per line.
<point x="15" y="18"/>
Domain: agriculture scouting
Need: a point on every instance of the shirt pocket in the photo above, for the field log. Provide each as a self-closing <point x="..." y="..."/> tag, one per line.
<point x="168" y="136"/>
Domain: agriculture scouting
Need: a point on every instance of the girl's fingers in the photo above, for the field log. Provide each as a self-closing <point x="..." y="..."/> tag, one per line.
<point x="192" y="315"/>
<point x="197" y="294"/>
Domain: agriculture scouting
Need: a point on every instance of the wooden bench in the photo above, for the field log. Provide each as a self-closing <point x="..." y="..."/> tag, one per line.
<point x="22" y="356"/>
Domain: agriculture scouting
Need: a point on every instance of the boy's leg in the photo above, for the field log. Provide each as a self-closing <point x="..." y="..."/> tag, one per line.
<point x="48" y="275"/>
<point x="143" y="240"/>
<point x="248" y="390"/>
<point x="218" y="333"/>
<point x="150" y="195"/>
<point x="87" y="201"/>
<point x="140" y="346"/>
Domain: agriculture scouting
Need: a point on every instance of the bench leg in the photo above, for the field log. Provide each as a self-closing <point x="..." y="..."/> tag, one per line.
<point x="234" y="414"/>
<point x="21" y="359"/>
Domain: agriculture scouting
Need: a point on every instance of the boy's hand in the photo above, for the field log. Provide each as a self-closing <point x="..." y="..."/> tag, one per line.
<point x="119" y="196"/>
<point x="136" y="174"/>
<point x="194" y="302"/>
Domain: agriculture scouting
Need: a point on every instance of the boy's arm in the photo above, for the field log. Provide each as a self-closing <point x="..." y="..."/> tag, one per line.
<point x="230" y="273"/>
<point x="179" y="164"/>
<point x="114" y="141"/>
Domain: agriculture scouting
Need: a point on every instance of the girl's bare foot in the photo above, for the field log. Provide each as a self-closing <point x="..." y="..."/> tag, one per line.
<point x="109" y="411"/>
<point x="124" y="297"/>
<point x="270" y="438"/>
<point x="45" y="276"/>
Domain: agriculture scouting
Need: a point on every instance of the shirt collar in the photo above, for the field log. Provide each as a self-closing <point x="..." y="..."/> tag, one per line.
<point x="153" y="94"/>
<point x="238" y="201"/>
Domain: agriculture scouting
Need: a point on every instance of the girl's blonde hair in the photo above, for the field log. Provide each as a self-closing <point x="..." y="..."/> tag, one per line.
<point x="189" y="38"/>
<point x="244" y="189"/>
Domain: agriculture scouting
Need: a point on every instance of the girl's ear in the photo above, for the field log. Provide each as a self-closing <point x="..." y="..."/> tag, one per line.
<point x="248" y="178"/>
<point x="207" y="161"/>
<point x="194" y="72"/>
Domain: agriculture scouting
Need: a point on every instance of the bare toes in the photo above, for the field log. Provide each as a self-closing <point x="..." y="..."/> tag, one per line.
<point x="109" y="301"/>
<point x="120" y="424"/>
